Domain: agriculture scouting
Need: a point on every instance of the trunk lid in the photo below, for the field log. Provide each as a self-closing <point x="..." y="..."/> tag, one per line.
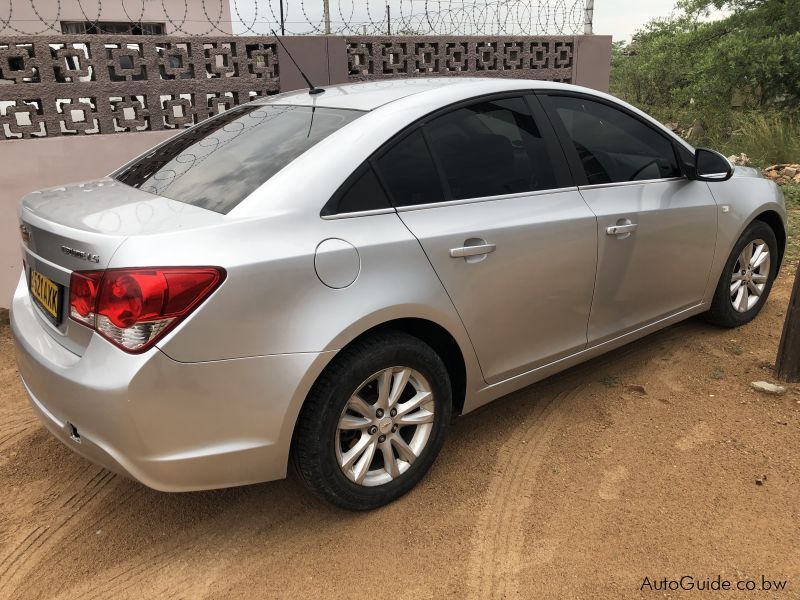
<point x="80" y="227"/>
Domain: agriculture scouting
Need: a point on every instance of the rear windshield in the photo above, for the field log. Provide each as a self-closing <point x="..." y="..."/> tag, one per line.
<point x="218" y="163"/>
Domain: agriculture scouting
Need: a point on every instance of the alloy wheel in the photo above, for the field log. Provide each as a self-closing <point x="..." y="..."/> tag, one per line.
<point x="750" y="275"/>
<point x="384" y="426"/>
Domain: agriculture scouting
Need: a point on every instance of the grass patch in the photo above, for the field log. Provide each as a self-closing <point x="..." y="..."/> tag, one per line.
<point x="792" y="194"/>
<point x="768" y="139"/>
<point x="717" y="373"/>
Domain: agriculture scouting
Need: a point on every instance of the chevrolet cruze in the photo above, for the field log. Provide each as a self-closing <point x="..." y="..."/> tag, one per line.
<point x="327" y="279"/>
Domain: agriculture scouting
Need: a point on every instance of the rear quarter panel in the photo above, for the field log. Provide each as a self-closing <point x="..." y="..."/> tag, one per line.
<point x="273" y="302"/>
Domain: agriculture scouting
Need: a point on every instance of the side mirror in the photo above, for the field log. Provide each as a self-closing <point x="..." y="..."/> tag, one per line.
<point x="711" y="166"/>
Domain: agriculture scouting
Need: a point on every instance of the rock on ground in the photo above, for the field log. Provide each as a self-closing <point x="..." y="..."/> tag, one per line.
<point x="769" y="388"/>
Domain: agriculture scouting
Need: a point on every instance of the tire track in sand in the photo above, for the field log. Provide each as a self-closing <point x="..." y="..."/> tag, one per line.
<point x="11" y="438"/>
<point x="496" y="555"/>
<point x="15" y="428"/>
<point x="25" y="556"/>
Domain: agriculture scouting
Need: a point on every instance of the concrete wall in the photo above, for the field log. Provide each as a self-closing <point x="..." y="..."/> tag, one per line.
<point x="100" y="84"/>
<point x="183" y="17"/>
<point x="322" y="58"/>
<point x="34" y="164"/>
<point x="593" y="61"/>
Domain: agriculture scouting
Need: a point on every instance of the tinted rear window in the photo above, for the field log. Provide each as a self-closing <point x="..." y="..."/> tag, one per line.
<point x="218" y="163"/>
<point x="491" y="148"/>
<point x="364" y="193"/>
<point x="409" y="173"/>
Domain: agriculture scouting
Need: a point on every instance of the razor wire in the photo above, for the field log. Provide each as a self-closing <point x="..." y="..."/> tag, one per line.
<point x="303" y="17"/>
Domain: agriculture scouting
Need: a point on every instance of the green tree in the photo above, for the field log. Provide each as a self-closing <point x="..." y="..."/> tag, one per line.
<point x="684" y="66"/>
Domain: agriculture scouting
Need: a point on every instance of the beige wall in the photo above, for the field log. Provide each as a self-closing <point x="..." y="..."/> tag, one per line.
<point x="34" y="164"/>
<point x="169" y="12"/>
<point x="593" y="61"/>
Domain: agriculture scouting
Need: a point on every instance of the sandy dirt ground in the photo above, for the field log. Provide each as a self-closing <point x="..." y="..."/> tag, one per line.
<point x="642" y="463"/>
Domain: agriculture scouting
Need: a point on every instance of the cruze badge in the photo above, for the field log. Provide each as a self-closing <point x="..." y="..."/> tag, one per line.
<point x="95" y="258"/>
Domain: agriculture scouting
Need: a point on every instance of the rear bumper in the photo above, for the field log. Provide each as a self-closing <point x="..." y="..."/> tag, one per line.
<point x="172" y="426"/>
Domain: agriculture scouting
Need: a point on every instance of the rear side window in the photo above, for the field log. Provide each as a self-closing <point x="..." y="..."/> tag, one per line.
<point x="362" y="191"/>
<point x="491" y="148"/>
<point x="408" y="171"/>
<point x="612" y="145"/>
<point x="218" y="163"/>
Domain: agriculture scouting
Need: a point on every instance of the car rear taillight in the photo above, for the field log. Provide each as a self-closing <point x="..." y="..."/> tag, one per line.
<point x="133" y="308"/>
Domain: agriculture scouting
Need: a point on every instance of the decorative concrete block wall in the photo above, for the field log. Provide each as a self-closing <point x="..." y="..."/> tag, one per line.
<point x="89" y="85"/>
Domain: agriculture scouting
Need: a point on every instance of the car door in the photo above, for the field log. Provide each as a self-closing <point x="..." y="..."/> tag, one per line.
<point x="656" y="228"/>
<point x="485" y="188"/>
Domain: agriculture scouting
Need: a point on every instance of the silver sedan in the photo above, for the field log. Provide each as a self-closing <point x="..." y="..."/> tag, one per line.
<point x="328" y="279"/>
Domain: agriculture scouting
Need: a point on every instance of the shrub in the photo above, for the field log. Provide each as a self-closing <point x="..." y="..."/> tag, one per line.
<point x="770" y="139"/>
<point x="767" y="139"/>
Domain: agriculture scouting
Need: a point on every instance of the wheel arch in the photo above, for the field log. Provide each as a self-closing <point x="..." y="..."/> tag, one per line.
<point x="442" y="342"/>
<point x="438" y="337"/>
<point x="773" y="219"/>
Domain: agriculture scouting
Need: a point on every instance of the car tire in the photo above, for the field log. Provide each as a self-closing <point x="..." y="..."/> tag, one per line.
<point x="337" y="435"/>
<point x="735" y="302"/>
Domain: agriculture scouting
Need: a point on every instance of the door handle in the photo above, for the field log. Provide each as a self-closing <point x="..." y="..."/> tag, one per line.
<point x="621" y="229"/>
<point x="465" y="251"/>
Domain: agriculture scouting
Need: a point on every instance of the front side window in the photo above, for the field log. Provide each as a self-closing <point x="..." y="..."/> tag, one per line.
<point x="409" y="173"/>
<point x="491" y="148"/>
<point x="218" y="163"/>
<point x="612" y="145"/>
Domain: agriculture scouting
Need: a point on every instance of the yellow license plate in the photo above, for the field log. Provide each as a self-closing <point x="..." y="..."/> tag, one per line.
<point x="46" y="293"/>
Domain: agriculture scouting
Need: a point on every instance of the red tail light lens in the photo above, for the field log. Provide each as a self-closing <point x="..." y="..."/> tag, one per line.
<point x="134" y="308"/>
<point x="83" y="296"/>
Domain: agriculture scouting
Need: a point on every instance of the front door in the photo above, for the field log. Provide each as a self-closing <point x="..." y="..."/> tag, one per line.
<point x="515" y="246"/>
<point x="656" y="229"/>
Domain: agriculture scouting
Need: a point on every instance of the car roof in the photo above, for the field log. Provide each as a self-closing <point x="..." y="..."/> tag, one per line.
<point x="390" y="106"/>
<point x="373" y="94"/>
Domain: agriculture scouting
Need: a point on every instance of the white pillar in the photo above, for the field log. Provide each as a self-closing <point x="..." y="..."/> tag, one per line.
<point x="326" y="9"/>
<point x="588" y="17"/>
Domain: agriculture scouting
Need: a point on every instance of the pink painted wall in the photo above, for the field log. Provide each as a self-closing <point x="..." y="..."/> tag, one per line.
<point x="35" y="164"/>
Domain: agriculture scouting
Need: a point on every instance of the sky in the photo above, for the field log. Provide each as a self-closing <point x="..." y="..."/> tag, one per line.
<point x="621" y="18"/>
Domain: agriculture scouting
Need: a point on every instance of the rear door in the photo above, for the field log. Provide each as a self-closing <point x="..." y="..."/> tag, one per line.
<point x="656" y="228"/>
<point x="485" y="189"/>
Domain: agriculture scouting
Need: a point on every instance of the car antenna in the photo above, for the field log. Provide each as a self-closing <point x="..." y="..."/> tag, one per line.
<point x="311" y="88"/>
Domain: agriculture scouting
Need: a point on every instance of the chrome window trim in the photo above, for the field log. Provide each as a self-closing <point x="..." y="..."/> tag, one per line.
<point x="485" y="199"/>
<point x="358" y="213"/>
<point x="384" y="211"/>
<point x="595" y="186"/>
